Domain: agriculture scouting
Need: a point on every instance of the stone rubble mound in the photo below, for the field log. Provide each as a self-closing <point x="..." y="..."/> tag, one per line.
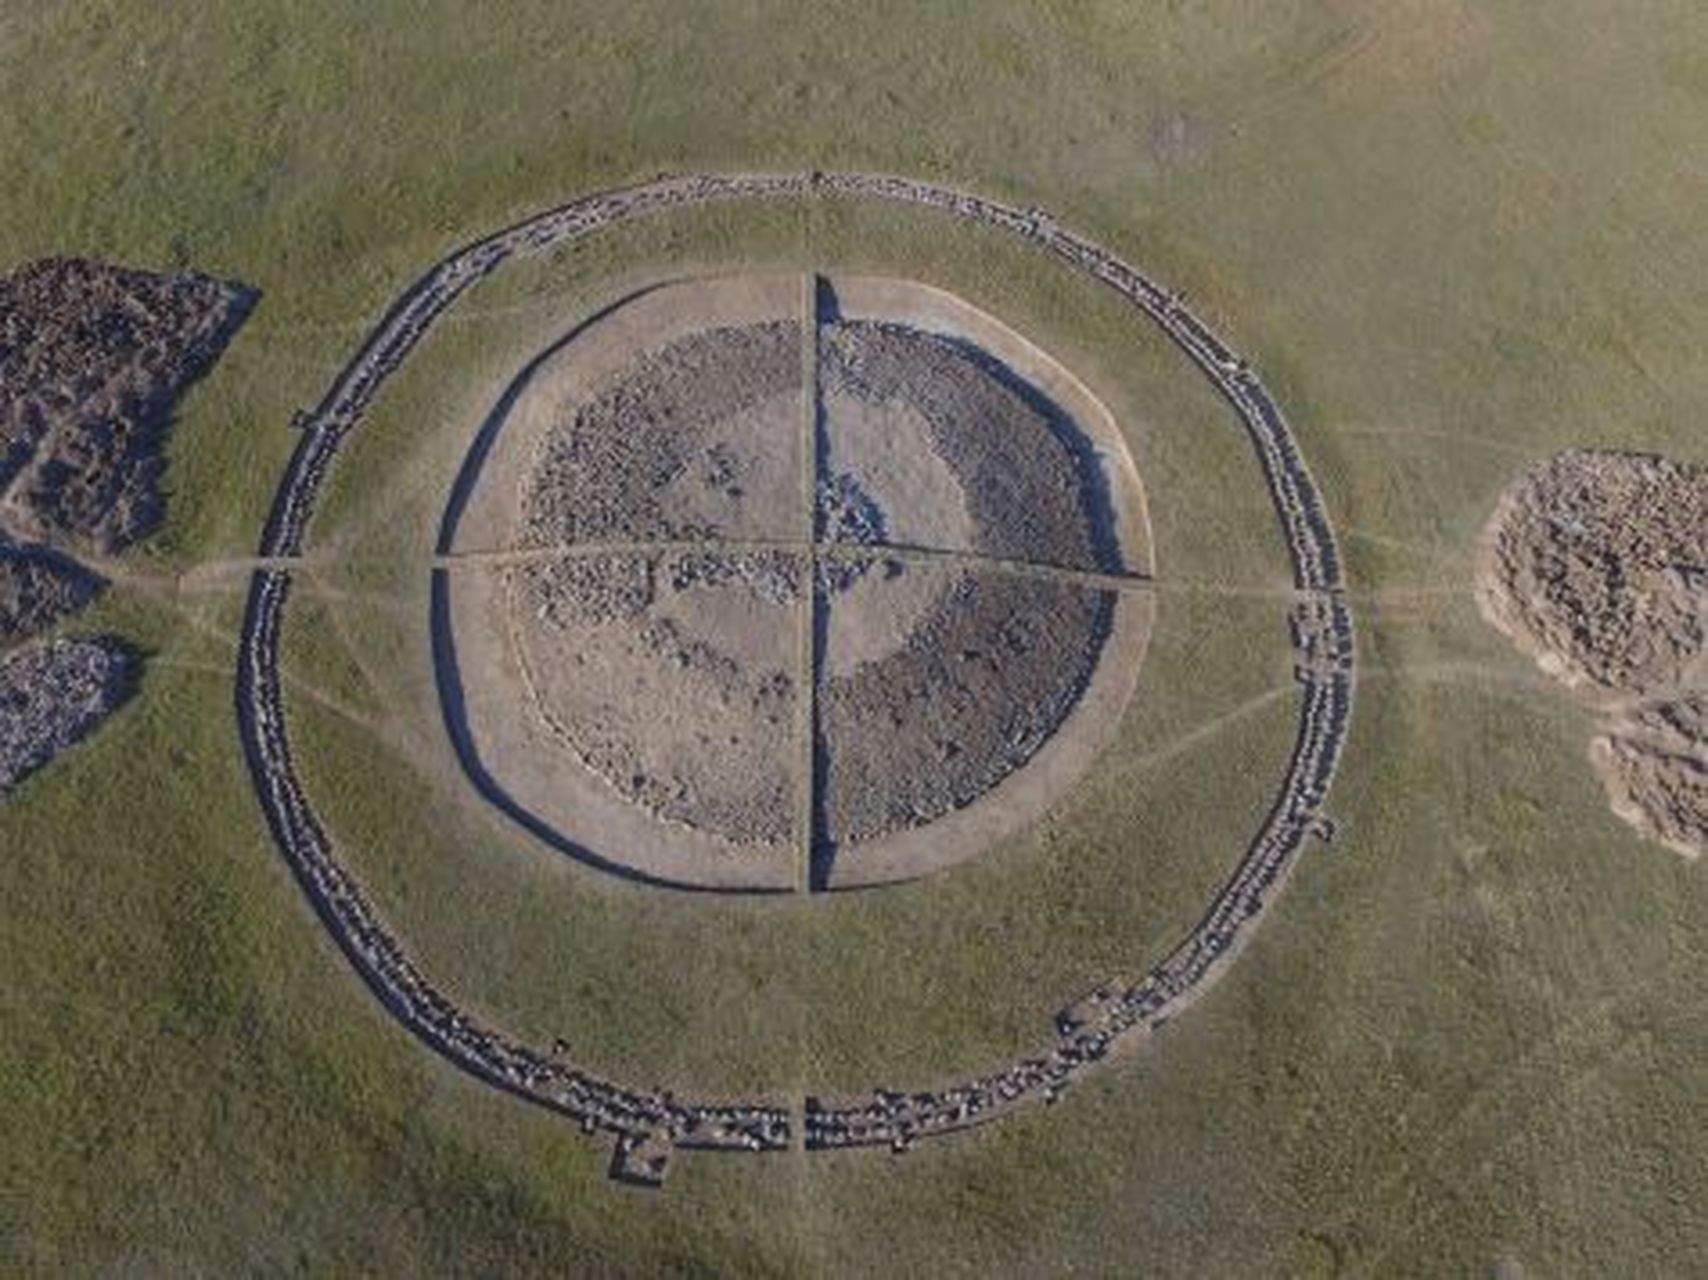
<point x="979" y="685"/>
<point x="1006" y="446"/>
<point x="1659" y="782"/>
<point x="671" y="678"/>
<point x="37" y="589"/>
<point x="92" y="357"/>
<point x="1596" y="564"/>
<point x="53" y="693"/>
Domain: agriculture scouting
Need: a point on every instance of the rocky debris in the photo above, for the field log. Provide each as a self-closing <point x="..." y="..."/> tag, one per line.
<point x="643" y="1159"/>
<point x="38" y="588"/>
<point x="978" y="687"/>
<point x="92" y="357"/>
<point x="1322" y="628"/>
<point x="1596" y="565"/>
<point x="1662" y="790"/>
<point x="847" y="513"/>
<point x="1654" y="763"/>
<point x="658" y="455"/>
<point x="836" y="574"/>
<point x="569" y="590"/>
<point x="1675" y="724"/>
<point x="1093" y="1007"/>
<point x="54" y="693"/>
<point x="671" y="677"/>
<point x="1030" y="497"/>
<point x="773" y="577"/>
<point x="600" y="587"/>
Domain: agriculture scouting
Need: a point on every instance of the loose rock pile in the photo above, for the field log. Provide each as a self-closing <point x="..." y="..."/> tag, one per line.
<point x="931" y="686"/>
<point x="980" y="684"/>
<point x="92" y="357"/>
<point x="847" y="513"/>
<point x="52" y="693"/>
<point x="659" y="454"/>
<point x="37" y="589"/>
<point x="1596" y="564"/>
<point x="672" y="677"/>
<point x="1007" y="447"/>
<point x="1655" y="769"/>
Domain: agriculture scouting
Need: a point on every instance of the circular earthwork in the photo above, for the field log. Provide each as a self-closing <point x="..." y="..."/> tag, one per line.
<point x="772" y="581"/>
<point x="649" y="1125"/>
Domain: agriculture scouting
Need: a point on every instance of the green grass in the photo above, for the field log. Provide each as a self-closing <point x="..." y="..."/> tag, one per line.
<point x="1452" y="238"/>
<point x="953" y="975"/>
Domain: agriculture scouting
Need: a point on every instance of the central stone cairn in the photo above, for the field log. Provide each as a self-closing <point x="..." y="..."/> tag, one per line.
<point x="795" y="593"/>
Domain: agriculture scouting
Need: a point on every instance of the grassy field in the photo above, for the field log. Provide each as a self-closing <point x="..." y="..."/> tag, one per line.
<point x="1453" y="237"/>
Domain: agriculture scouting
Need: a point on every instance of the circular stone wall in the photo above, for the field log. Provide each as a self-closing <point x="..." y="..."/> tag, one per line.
<point x="649" y="1125"/>
<point x="790" y="582"/>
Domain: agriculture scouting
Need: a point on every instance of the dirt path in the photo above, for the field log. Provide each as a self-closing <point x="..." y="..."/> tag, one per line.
<point x="1207" y="730"/>
<point x="228" y="671"/>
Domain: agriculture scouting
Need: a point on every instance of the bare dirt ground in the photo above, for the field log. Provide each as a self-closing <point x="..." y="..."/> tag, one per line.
<point x="1596" y="564"/>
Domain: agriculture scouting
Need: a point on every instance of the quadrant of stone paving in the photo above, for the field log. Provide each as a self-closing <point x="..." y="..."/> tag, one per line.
<point x="700" y="438"/>
<point x="674" y="679"/>
<point x="935" y="684"/>
<point x="926" y="441"/>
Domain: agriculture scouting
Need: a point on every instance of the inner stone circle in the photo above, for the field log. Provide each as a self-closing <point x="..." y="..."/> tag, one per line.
<point x="785" y="582"/>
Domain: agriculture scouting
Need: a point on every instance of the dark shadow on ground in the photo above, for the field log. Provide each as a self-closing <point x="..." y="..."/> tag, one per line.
<point x="821" y="848"/>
